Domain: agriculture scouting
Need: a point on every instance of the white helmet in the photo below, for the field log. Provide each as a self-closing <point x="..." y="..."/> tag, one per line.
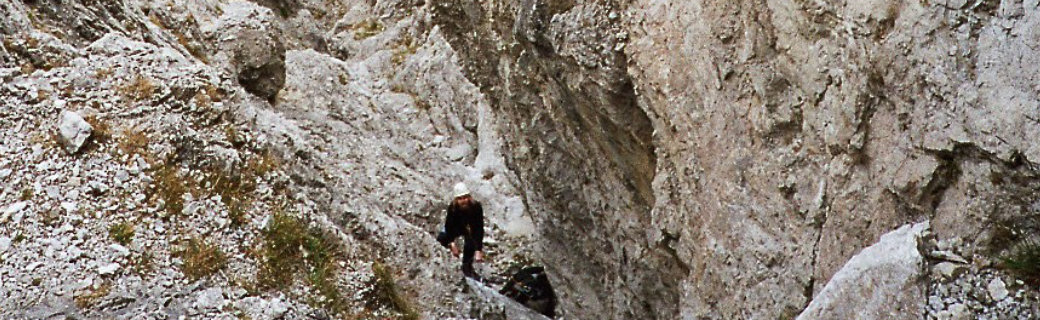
<point x="460" y="190"/>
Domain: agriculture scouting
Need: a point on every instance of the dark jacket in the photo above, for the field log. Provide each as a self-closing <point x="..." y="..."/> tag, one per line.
<point x="468" y="223"/>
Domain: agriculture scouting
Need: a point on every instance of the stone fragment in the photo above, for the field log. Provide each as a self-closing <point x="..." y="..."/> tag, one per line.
<point x="997" y="289"/>
<point x="73" y="131"/>
<point x="947" y="270"/>
<point x="110" y="268"/>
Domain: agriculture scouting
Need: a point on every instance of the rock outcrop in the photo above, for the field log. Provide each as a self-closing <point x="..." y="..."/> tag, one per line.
<point x="663" y="159"/>
<point x="880" y="282"/>
<point x="247" y="39"/>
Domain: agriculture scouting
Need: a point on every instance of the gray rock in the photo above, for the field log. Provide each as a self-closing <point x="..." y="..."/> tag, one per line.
<point x="890" y="269"/>
<point x="948" y="256"/>
<point x="15" y="208"/>
<point x="109" y="268"/>
<point x="210" y="299"/>
<point x="997" y="289"/>
<point x="73" y="131"/>
<point x="119" y="250"/>
<point x="5" y="243"/>
<point x="948" y="270"/>
<point x="277" y="309"/>
<point x="496" y="306"/>
<point x="957" y="311"/>
<point x="250" y="42"/>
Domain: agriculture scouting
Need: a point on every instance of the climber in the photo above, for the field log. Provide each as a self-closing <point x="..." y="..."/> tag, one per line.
<point x="465" y="218"/>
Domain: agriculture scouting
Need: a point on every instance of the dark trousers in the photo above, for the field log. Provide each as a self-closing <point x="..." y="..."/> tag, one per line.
<point x="468" y="250"/>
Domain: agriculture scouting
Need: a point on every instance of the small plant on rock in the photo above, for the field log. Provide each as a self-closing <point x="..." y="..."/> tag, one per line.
<point x="366" y="29"/>
<point x="291" y="247"/>
<point x="201" y="259"/>
<point x="134" y="142"/>
<point x="122" y="232"/>
<point x="88" y="300"/>
<point x="102" y="131"/>
<point x="168" y="186"/>
<point x="387" y="293"/>
<point x="1024" y="260"/>
<point x="27" y="194"/>
<point x="141" y="88"/>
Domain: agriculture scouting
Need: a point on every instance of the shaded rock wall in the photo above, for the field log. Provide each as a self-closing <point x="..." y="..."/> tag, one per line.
<point x="666" y="159"/>
<point x="791" y="134"/>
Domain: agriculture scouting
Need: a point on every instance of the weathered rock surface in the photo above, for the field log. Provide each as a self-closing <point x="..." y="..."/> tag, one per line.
<point x="248" y="40"/>
<point x="880" y="282"/>
<point x="663" y="159"/>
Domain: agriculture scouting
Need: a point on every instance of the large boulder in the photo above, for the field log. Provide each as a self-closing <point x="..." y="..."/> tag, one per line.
<point x="881" y="282"/>
<point x="249" y="44"/>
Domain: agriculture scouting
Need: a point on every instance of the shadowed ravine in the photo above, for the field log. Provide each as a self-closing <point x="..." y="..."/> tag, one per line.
<point x="293" y="159"/>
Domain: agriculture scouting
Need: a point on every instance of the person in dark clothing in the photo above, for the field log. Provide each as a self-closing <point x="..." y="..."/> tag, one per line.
<point x="466" y="219"/>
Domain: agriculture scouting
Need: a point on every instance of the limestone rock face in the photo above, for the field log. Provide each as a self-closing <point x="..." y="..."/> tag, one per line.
<point x="248" y="39"/>
<point x="663" y="159"/>
<point x="880" y="282"/>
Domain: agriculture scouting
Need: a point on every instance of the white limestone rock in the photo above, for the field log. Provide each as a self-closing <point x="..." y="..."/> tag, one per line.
<point x="73" y="131"/>
<point x="880" y="282"/>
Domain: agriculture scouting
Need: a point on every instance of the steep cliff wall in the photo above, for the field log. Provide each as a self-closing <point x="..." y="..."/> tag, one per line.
<point x="663" y="159"/>
<point x="791" y="134"/>
<point x="787" y="136"/>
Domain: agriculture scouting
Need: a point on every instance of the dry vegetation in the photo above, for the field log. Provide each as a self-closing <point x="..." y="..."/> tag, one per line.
<point x="201" y="259"/>
<point x="387" y="293"/>
<point x="102" y="132"/>
<point x="366" y="29"/>
<point x="139" y="89"/>
<point x="134" y="141"/>
<point x="87" y="300"/>
<point x="405" y="49"/>
<point x="168" y="186"/>
<point x="291" y="247"/>
<point x="122" y="232"/>
<point x="236" y="185"/>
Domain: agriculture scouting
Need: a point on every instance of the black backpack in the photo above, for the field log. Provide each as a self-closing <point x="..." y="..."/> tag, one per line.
<point x="530" y="286"/>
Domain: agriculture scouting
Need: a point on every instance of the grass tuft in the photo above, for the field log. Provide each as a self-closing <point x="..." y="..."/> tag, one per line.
<point x="134" y="142"/>
<point x="102" y="131"/>
<point x="88" y="300"/>
<point x="168" y="186"/>
<point x="1024" y="260"/>
<point x="103" y="73"/>
<point x="366" y="29"/>
<point x="281" y="252"/>
<point x="291" y="247"/>
<point x="144" y="263"/>
<point x="201" y="259"/>
<point x="27" y="194"/>
<point x="387" y="292"/>
<point x="236" y="186"/>
<point x="122" y="232"/>
<point x="141" y="88"/>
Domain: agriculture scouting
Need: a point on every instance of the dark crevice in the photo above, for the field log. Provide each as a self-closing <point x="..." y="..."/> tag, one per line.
<point x="572" y="121"/>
